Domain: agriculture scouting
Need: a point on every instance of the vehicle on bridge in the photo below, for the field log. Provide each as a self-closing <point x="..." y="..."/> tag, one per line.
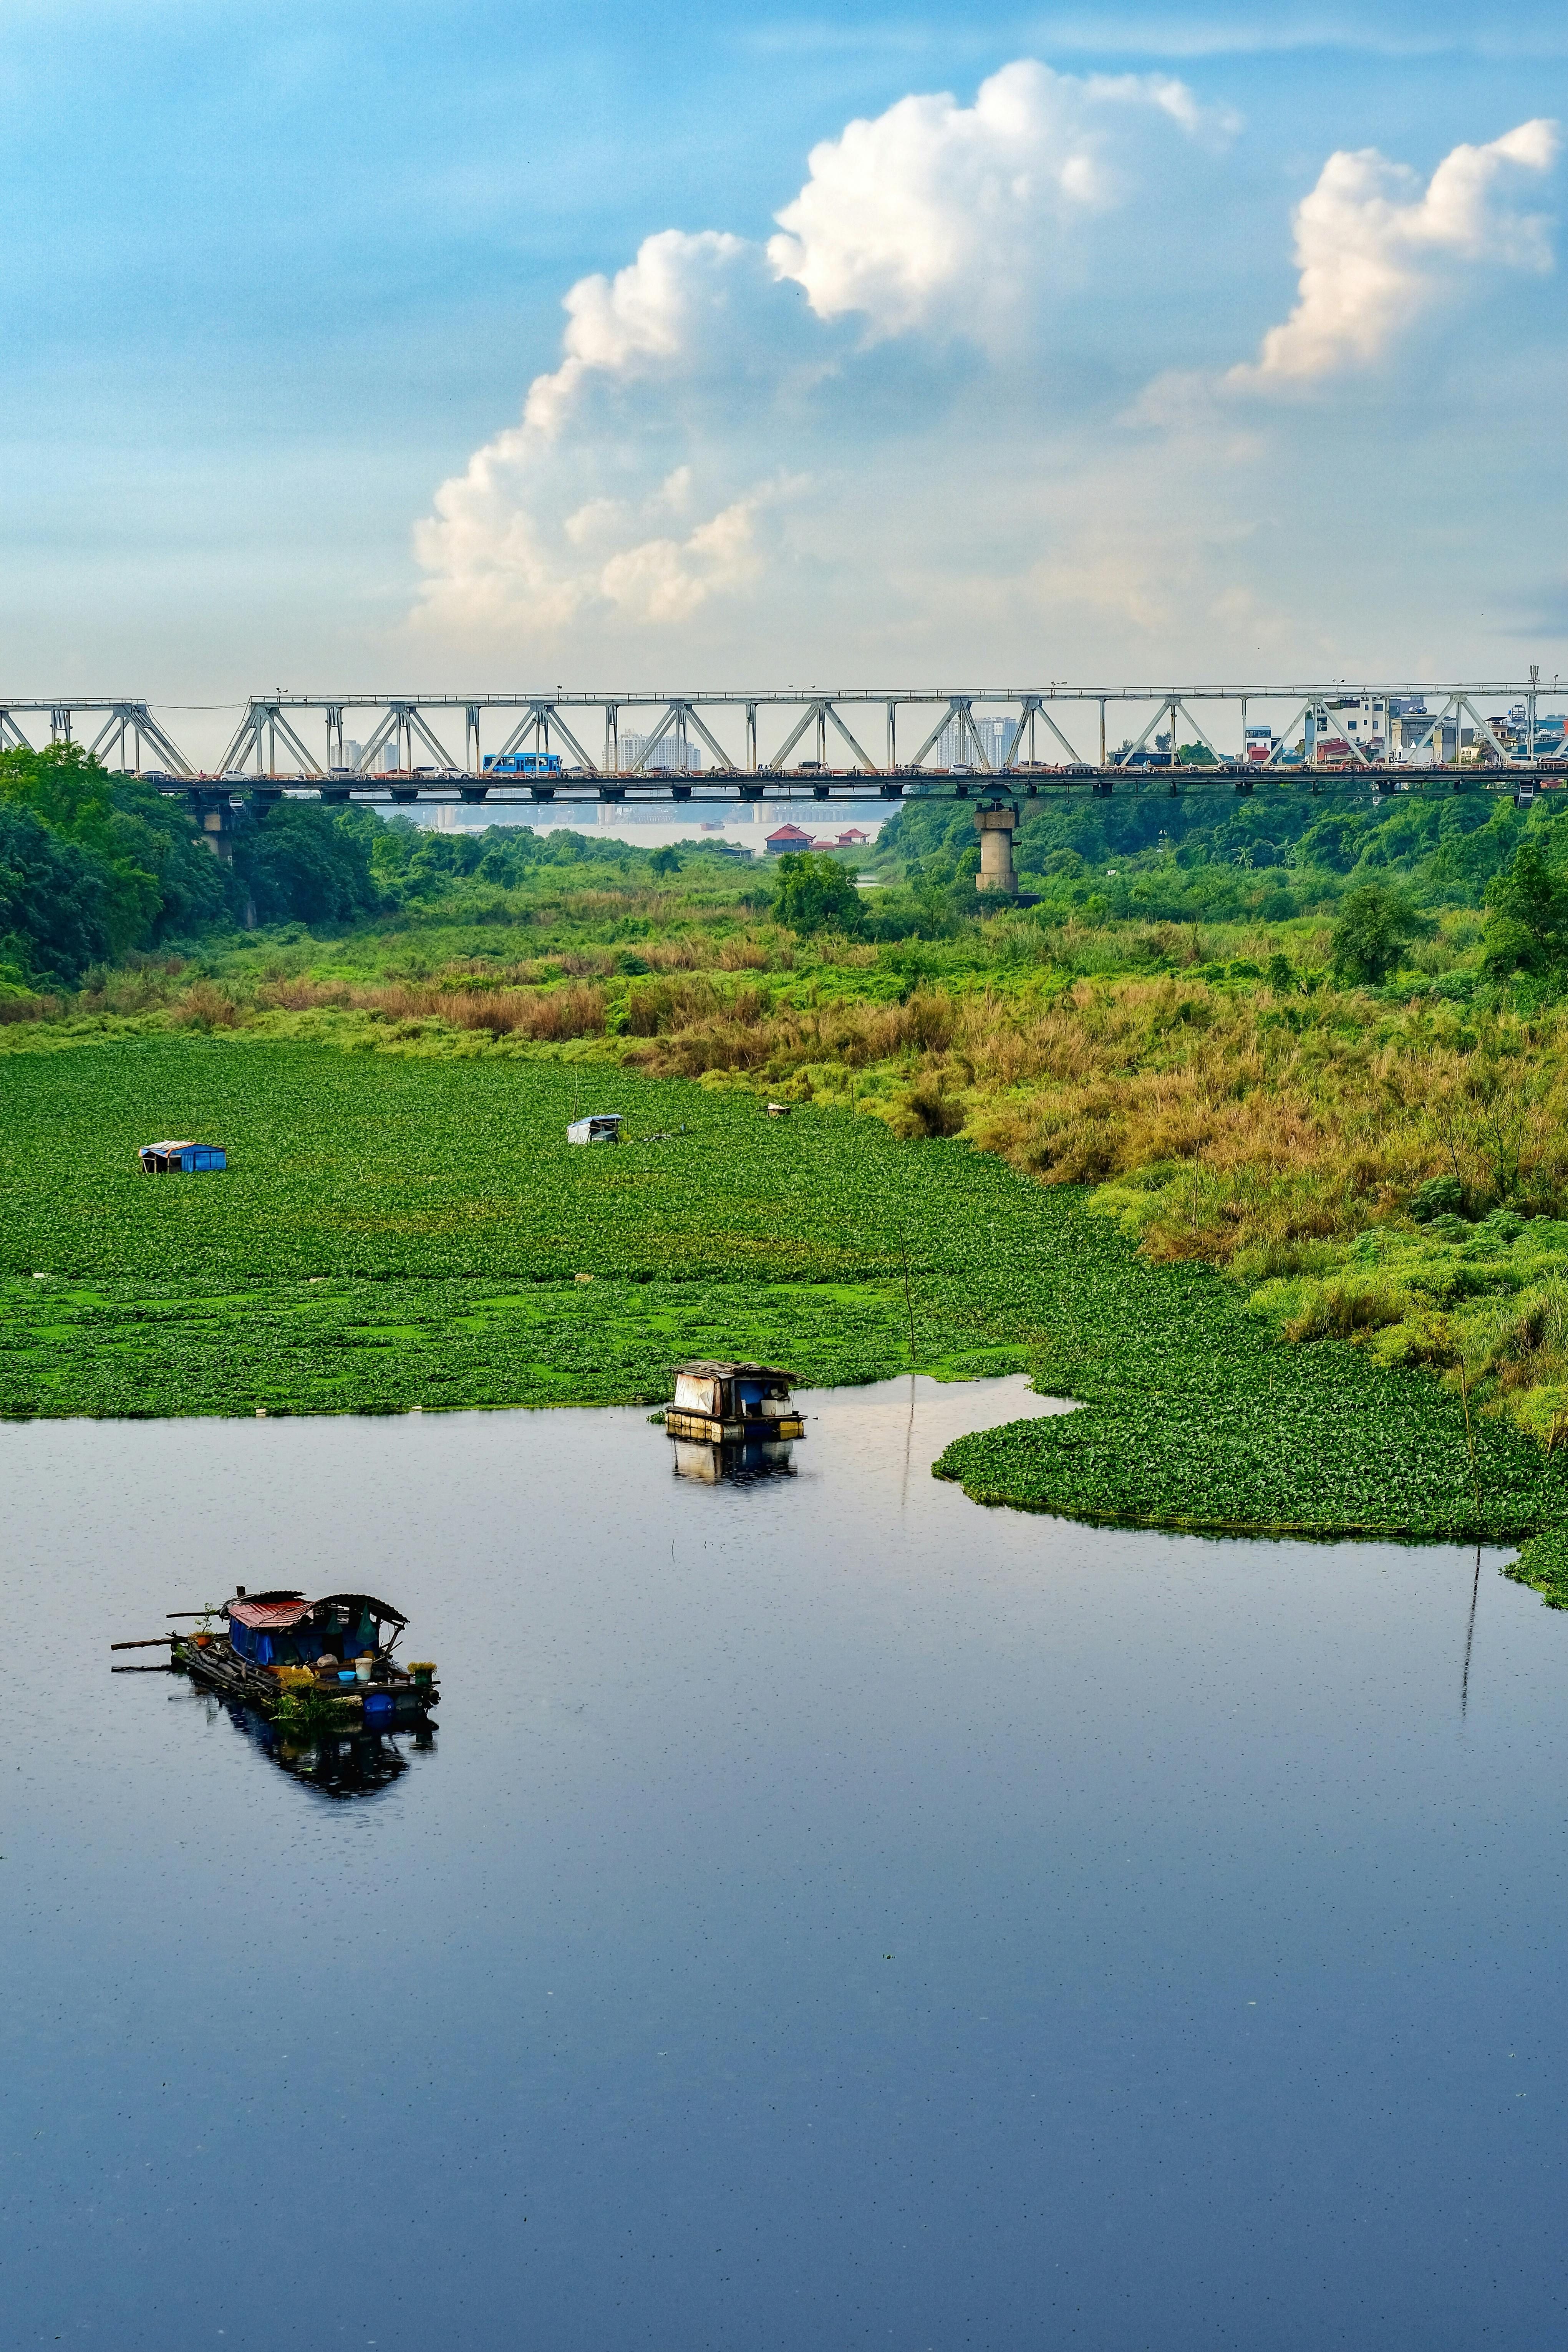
<point x="523" y="764"/>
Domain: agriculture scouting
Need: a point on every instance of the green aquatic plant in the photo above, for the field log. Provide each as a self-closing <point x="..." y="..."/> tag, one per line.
<point x="1543" y="1564"/>
<point x="307" y="1707"/>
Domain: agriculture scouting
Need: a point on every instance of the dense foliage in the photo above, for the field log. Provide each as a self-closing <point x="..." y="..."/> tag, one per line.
<point x="94" y="866"/>
<point x="1205" y="852"/>
<point x="302" y="864"/>
<point x="1376" y="923"/>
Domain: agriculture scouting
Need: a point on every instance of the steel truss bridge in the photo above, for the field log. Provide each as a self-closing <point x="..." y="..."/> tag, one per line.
<point x="778" y="744"/>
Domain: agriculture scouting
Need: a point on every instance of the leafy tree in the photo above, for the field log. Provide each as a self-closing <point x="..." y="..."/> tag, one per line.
<point x="817" y="894"/>
<point x="665" y="860"/>
<point x="157" y="879"/>
<point x="300" y="863"/>
<point x="57" y="900"/>
<point x="1375" y="925"/>
<point x="1527" y="914"/>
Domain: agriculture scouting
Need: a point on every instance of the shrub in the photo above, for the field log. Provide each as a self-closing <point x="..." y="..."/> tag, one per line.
<point x="1376" y="924"/>
<point x="817" y="894"/>
<point x="927" y="1110"/>
<point x="1439" y="1196"/>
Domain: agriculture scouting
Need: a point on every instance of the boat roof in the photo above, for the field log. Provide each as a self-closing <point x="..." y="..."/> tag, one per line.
<point x="366" y="1600"/>
<point x="274" y="1612"/>
<point x="708" y="1367"/>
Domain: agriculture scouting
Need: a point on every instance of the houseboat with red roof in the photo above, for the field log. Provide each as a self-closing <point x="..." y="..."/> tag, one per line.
<point x="339" y="1648"/>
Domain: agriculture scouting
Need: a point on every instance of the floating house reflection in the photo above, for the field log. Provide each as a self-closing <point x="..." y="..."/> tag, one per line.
<point x="333" y="1761"/>
<point x="697" y="1457"/>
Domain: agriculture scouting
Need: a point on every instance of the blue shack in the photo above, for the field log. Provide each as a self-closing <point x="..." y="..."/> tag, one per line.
<point x="181" y="1159"/>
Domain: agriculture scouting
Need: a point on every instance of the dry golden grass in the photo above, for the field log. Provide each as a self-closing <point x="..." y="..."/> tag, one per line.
<point x="575" y="1010"/>
<point x="1286" y="1120"/>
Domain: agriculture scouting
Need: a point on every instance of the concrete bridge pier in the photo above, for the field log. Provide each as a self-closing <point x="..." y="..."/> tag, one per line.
<point x="215" y="821"/>
<point x="996" y="820"/>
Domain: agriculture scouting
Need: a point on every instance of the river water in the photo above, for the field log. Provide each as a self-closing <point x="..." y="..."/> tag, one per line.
<point x="828" y="1913"/>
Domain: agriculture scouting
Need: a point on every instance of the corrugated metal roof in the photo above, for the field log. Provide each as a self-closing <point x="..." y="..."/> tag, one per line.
<point x="270" y="1616"/>
<point x="274" y="1613"/>
<point x="366" y="1600"/>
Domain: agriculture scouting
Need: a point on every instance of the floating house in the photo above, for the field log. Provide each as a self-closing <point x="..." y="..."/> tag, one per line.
<point x="342" y="1645"/>
<point x="601" y="1126"/>
<point x="181" y="1159"/>
<point x="727" y="1405"/>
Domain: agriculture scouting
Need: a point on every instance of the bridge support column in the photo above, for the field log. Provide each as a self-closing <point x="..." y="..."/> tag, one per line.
<point x="214" y="819"/>
<point x="994" y="823"/>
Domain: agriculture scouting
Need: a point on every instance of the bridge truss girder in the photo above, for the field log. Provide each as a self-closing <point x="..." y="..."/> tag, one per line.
<point x="268" y="740"/>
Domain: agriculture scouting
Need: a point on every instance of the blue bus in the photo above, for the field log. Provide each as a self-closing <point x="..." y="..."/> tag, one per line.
<point x="524" y="764"/>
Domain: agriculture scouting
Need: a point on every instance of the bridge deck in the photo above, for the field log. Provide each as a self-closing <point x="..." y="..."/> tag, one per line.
<point x="719" y="788"/>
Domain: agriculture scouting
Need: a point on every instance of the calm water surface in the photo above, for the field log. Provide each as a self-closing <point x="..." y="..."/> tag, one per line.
<point x="827" y="1915"/>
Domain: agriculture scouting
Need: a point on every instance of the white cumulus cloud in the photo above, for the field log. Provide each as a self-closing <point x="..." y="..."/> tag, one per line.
<point x="937" y="208"/>
<point x="679" y="290"/>
<point x="578" y="507"/>
<point x="905" y="417"/>
<point x="1374" y="248"/>
<point x="699" y="366"/>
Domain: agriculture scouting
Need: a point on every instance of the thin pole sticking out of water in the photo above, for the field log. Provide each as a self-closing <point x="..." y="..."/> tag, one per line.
<point x="1470" y="1637"/>
<point x="909" y="1300"/>
<point x="908" y="1442"/>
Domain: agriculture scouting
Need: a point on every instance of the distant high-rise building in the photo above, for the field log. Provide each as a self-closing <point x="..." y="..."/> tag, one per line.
<point x="666" y="753"/>
<point x="954" y="747"/>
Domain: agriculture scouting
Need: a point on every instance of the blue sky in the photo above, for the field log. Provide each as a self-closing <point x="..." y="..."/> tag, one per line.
<point x="998" y="398"/>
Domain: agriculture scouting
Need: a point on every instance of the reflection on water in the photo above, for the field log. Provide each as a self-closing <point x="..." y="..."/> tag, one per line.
<point x="697" y="1457"/>
<point x="357" y="1763"/>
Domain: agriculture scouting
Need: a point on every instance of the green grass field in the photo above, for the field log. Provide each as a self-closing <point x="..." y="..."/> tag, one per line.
<point x="400" y="1229"/>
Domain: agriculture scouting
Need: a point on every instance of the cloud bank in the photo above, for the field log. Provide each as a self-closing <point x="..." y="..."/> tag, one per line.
<point x="909" y="404"/>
